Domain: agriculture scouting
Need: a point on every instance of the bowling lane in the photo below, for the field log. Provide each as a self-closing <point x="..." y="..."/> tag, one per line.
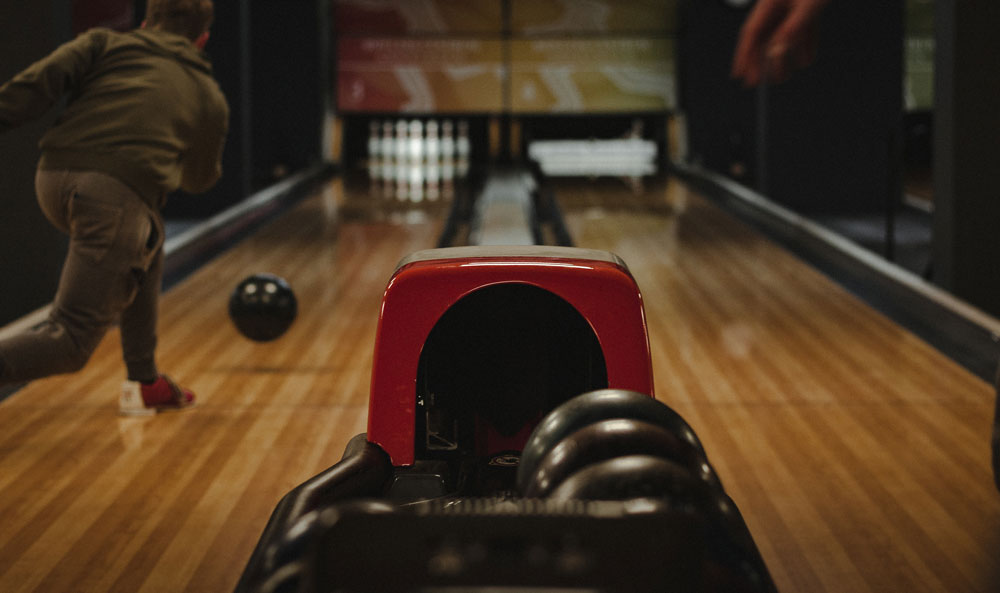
<point x="858" y="454"/>
<point x="90" y="501"/>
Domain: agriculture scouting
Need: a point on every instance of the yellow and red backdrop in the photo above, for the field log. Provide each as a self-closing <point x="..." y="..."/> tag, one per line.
<point x="521" y="56"/>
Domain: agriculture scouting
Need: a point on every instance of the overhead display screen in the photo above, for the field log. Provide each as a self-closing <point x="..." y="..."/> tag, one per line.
<point x="420" y="75"/>
<point x="518" y="56"/>
<point x="592" y="75"/>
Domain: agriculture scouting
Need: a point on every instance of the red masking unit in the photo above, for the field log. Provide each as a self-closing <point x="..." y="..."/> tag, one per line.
<point x="524" y="328"/>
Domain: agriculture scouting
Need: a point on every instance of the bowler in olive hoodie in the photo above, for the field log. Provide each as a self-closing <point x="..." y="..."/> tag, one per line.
<point x="144" y="117"/>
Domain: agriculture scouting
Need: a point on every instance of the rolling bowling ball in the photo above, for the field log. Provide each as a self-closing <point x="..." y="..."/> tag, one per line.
<point x="262" y="307"/>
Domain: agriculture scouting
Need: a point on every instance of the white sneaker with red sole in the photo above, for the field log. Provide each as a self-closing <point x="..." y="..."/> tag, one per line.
<point x="138" y="399"/>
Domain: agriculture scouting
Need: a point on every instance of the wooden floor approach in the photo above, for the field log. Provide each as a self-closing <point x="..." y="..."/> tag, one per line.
<point x="858" y="455"/>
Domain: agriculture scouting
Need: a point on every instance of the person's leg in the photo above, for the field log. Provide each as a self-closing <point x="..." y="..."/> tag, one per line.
<point x="63" y="343"/>
<point x="95" y="284"/>
<point x="146" y="390"/>
<point x="138" y="320"/>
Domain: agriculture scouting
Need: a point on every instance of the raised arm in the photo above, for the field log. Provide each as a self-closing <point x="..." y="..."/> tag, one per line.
<point x="779" y="37"/>
<point x="36" y="89"/>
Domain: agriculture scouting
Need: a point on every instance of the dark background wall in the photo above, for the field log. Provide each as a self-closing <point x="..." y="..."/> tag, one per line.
<point x="31" y="251"/>
<point x="967" y="151"/>
<point x="823" y="141"/>
<point x="286" y="86"/>
<point x="832" y="139"/>
<point x="832" y="131"/>
<point x="719" y="112"/>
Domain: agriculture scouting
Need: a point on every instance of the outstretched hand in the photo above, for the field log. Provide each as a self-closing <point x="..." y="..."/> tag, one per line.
<point x="779" y="37"/>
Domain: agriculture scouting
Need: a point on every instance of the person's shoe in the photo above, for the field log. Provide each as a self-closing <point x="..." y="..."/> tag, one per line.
<point x="139" y="399"/>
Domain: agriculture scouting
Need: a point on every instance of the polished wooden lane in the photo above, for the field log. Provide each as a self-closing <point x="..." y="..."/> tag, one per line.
<point x="858" y="454"/>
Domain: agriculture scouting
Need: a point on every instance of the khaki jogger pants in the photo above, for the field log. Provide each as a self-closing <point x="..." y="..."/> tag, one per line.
<point x="112" y="272"/>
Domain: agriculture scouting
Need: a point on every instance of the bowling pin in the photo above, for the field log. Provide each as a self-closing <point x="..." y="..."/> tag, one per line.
<point x="416" y="140"/>
<point x="386" y="177"/>
<point x="462" y="145"/>
<point x="388" y="142"/>
<point x="433" y="175"/>
<point x="447" y="140"/>
<point x="416" y="185"/>
<point x="402" y="140"/>
<point x="432" y="143"/>
<point x="374" y="140"/>
<point x="401" y="176"/>
<point x="463" y="149"/>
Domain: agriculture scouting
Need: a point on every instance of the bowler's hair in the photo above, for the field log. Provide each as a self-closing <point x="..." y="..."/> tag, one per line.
<point x="189" y="18"/>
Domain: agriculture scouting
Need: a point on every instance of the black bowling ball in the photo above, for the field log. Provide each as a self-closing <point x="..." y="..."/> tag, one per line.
<point x="262" y="307"/>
